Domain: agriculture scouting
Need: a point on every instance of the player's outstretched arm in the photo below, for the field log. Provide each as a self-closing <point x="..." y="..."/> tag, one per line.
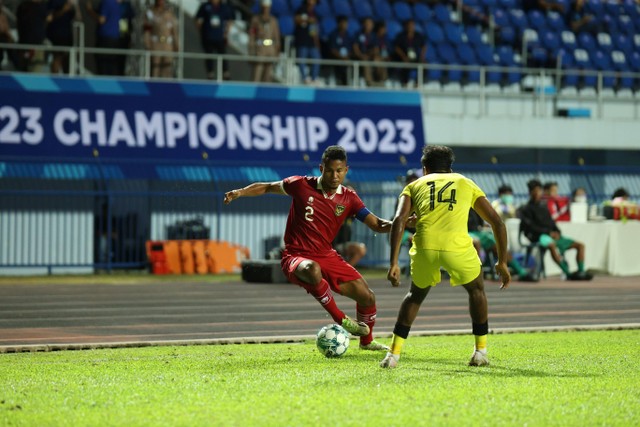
<point x="255" y="189"/>
<point x="397" y="228"/>
<point x="486" y="211"/>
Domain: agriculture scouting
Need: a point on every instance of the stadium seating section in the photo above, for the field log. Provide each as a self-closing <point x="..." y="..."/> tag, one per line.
<point x="499" y="33"/>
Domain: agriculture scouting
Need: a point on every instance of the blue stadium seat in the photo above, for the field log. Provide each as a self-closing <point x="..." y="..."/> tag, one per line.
<point x="587" y="41"/>
<point x="594" y="7"/>
<point x="508" y="4"/>
<point x="537" y="20"/>
<point x="556" y="21"/>
<point x="323" y="10"/>
<point x="583" y="62"/>
<point x="634" y="61"/>
<point x="636" y="43"/>
<point x="568" y="40"/>
<point x="393" y="29"/>
<point x="402" y="11"/>
<point x="501" y="19"/>
<point x="570" y="77"/>
<point x="486" y="58"/>
<point x="468" y="57"/>
<point x="433" y="58"/>
<point x="422" y="13"/>
<point x="490" y="5"/>
<point x="280" y="7"/>
<point x="362" y="9"/>
<point x="507" y="59"/>
<point x="508" y="36"/>
<point x="327" y="25"/>
<point x="442" y="13"/>
<point x="286" y="25"/>
<point x="354" y="27"/>
<point x="434" y="33"/>
<point x="474" y="36"/>
<point x="382" y="9"/>
<point x="518" y="19"/>
<point x="342" y="8"/>
<point x="295" y="4"/>
<point x="625" y="25"/>
<point x="623" y="43"/>
<point x="631" y="8"/>
<point x="551" y="42"/>
<point x="610" y="23"/>
<point x="613" y="8"/>
<point x="602" y="62"/>
<point x="447" y="53"/>
<point x="453" y="33"/>
<point x="604" y="42"/>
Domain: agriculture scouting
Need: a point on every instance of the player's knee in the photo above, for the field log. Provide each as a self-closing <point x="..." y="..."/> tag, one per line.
<point x="311" y="272"/>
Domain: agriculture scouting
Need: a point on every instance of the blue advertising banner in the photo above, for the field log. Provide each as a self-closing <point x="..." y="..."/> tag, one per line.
<point x="42" y="116"/>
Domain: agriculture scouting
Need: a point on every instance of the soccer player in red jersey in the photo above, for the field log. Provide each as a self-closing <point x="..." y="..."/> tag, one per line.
<point x="319" y="207"/>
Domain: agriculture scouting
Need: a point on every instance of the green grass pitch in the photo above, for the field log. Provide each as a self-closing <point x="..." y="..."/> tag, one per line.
<point x="586" y="378"/>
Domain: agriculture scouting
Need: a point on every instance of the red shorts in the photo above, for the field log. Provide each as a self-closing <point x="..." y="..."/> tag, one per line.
<point x="335" y="270"/>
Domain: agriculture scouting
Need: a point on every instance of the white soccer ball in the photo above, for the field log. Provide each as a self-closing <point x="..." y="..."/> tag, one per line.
<point x="332" y="340"/>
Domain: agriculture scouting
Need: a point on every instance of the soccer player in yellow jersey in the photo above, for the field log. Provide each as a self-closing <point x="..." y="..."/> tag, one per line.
<point x="441" y="200"/>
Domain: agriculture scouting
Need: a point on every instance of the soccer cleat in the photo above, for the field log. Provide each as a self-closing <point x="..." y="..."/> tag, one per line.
<point x="390" y="361"/>
<point x="580" y="275"/>
<point x="528" y="278"/>
<point x="358" y="329"/>
<point x="374" y="346"/>
<point x="479" y="358"/>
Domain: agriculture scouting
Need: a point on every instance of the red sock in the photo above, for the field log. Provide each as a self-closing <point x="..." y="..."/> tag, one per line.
<point x="322" y="292"/>
<point x="368" y="316"/>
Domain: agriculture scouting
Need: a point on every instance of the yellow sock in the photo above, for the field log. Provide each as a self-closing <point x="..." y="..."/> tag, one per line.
<point x="481" y="342"/>
<point x="396" y="344"/>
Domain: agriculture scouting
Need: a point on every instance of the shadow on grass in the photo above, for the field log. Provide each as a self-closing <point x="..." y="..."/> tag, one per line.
<point x="495" y="369"/>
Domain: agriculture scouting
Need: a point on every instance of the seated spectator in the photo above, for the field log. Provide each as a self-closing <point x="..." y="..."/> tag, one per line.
<point x="579" y="195"/>
<point x="306" y="36"/>
<point x="384" y="51"/>
<point x="339" y="46"/>
<point x="351" y="251"/>
<point x="6" y="37"/>
<point x="213" y="20"/>
<point x="31" y="16"/>
<point x="62" y="14"/>
<point x="365" y="49"/>
<point x="409" y="48"/>
<point x="558" y="205"/>
<point x="161" y="35"/>
<point x="579" y="20"/>
<point x="484" y="241"/>
<point x="264" y="41"/>
<point x="505" y="205"/>
<point x="539" y="227"/>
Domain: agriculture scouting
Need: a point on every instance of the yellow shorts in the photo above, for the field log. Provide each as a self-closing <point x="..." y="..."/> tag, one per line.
<point x="463" y="267"/>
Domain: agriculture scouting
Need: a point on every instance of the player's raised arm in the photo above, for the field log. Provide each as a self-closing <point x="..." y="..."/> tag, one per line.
<point x="255" y="189"/>
<point x="483" y="207"/>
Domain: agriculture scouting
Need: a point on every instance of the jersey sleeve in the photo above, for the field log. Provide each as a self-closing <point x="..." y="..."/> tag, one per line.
<point x="476" y="192"/>
<point x="290" y="184"/>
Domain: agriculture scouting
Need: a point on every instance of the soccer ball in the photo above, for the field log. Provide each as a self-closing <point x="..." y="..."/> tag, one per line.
<point x="332" y="340"/>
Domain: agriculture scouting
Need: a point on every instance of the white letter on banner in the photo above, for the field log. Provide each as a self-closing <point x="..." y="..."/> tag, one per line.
<point x="62" y="116"/>
<point x="280" y="133"/>
<point x="318" y="131"/>
<point x="263" y="139"/>
<point x="215" y="142"/>
<point x="121" y="130"/>
<point x="238" y="132"/>
<point x="301" y="133"/>
<point x="192" y="120"/>
<point x="150" y="129"/>
<point x="175" y="127"/>
<point x="87" y="127"/>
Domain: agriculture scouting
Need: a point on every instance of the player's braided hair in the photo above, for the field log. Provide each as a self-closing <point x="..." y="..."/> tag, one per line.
<point x="437" y="158"/>
<point x="334" y="152"/>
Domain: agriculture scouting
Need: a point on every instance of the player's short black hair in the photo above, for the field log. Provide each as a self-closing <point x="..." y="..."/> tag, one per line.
<point x="505" y="188"/>
<point x="437" y="158"/>
<point x="334" y="152"/>
<point x="620" y="192"/>
<point x="533" y="183"/>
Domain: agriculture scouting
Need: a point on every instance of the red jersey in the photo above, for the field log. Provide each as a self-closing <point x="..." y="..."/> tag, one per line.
<point x="316" y="217"/>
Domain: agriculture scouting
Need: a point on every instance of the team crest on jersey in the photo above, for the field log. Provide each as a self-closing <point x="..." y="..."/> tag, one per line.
<point x="310" y="201"/>
<point x="339" y="210"/>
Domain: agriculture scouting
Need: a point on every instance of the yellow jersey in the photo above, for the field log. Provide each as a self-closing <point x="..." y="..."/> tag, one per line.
<point x="441" y="202"/>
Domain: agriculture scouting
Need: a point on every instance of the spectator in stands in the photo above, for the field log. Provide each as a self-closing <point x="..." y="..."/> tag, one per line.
<point x="484" y="241"/>
<point x="504" y="204"/>
<point x="161" y="35"/>
<point x="31" y="18"/>
<point x="409" y="48"/>
<point x="125" y="25"/>
<point x="108" y="18"/>
<point x="307" y="39"/>
<point x="384" y="51"/>
<point x="365" y="49"/>
<point x="264" y="40"/>
<point x="213" y="21"/>
<point x="579" y="195"/>
<point x="351" y="251"/>
<point x="6" y="37"/>
<point x="578" y="19"/>
<point x="538" y="226"/>
<point x="620" y="196"/>
<point x="62" y="14"/>
<point x="558" y="205"/>
<point x="340" y="45"/>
